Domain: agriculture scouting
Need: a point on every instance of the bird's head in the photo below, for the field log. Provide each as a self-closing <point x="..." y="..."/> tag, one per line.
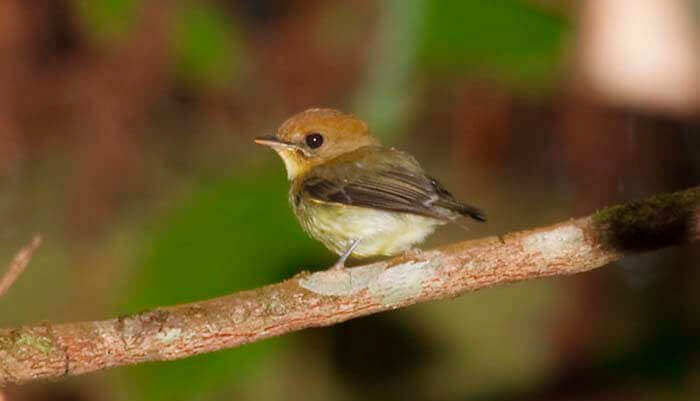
<point x="316" y="136"/>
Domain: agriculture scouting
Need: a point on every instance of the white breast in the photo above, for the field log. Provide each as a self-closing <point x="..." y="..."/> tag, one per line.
<point x="380" y="232"/>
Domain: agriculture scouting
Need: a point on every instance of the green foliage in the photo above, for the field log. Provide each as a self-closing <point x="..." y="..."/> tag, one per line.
<point x="232" y="234"/>
<point x="507" y="39"/>
<point x="107" y="19"/>
<point x="207" y="49"/>
<point x="205" y="44"/>
<point x="385" y="98"/>
<point x="195" y="377"/>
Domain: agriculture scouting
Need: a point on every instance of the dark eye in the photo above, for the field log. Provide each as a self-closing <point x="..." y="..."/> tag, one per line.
<point x="314" y="140"/>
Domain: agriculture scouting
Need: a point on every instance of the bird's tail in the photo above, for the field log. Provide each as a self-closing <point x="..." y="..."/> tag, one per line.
<point x="471" y="211"/>
<point x="464" y="210"/>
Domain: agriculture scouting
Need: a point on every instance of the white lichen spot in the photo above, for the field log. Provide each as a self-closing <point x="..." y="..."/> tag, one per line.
<point x="555" y="243"/>
<point x="169" y="335"/>
<point x="342" y="282"/>
<point x="276" y="307"/>
<point x="402" y="282"/>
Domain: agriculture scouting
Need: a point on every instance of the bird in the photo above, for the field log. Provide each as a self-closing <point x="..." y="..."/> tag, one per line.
<point x="352" y="194"/>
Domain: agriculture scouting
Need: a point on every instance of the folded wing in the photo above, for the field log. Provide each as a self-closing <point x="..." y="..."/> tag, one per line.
<point x="385" y="179"/>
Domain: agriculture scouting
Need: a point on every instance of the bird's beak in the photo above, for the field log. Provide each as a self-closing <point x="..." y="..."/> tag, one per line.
<point x="273" y="142"/>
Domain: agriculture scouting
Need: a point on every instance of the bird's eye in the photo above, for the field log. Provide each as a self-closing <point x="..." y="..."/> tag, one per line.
<point x="314" y="140"/>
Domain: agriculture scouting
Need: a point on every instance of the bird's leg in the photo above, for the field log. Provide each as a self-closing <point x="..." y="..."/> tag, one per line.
<point x="340" y="264"/>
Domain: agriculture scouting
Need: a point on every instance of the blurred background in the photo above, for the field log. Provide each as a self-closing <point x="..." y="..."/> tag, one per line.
<point x="126" y="132"/>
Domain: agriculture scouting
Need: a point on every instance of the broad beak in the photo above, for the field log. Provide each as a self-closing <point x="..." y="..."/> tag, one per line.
<point x="273" y="142"/>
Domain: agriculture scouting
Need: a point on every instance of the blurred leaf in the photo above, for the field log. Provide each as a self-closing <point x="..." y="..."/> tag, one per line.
<point x="233" y="234"/>
<point x="206" y="44"/>
<point x="193" y="378"/>
<point x="107" y="19"/>
<point x="385" y="99"/>
<point x="508" y="39"/>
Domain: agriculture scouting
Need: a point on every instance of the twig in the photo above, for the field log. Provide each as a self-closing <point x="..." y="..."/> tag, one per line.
<point x="18" y="264"/>
<point x="329" y="297"/>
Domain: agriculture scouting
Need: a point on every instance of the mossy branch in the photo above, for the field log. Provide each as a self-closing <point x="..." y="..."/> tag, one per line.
<point x="330" y="297"/>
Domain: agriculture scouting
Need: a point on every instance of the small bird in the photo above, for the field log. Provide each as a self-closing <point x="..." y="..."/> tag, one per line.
<point x="354" y="195"/>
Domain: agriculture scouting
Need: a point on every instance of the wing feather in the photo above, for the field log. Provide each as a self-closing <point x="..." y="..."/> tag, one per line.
<point x="385" y="179"/>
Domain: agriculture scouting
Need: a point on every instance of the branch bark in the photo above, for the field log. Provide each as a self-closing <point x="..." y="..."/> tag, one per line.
<point x="329" y="297"/>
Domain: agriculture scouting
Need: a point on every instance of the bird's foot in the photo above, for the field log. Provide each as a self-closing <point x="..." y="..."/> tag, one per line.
<point x="340" y="264"/>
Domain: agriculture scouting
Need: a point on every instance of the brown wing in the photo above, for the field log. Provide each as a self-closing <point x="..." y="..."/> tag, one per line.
<point x="384" y="179"/>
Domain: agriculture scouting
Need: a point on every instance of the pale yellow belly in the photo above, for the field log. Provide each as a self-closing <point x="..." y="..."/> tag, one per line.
<point x="380" y="232"/>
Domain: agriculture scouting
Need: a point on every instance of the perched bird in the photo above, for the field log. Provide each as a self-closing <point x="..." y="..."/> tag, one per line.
<point x="355" y="196"/>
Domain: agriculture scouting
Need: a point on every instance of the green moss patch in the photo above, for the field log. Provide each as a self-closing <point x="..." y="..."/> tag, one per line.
<point x="653" y="223"/>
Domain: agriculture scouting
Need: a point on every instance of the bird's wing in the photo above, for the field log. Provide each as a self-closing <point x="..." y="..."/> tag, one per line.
<point x="385" y="179"/>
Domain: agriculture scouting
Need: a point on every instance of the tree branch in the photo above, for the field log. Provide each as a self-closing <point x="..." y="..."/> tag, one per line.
<point x="18" y="264"/>
<point x="329" y="297"/>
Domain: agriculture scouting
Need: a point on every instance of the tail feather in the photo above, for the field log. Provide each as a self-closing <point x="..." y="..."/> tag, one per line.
<point x="464" y="210"/>
<point x="471" y="211"/>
